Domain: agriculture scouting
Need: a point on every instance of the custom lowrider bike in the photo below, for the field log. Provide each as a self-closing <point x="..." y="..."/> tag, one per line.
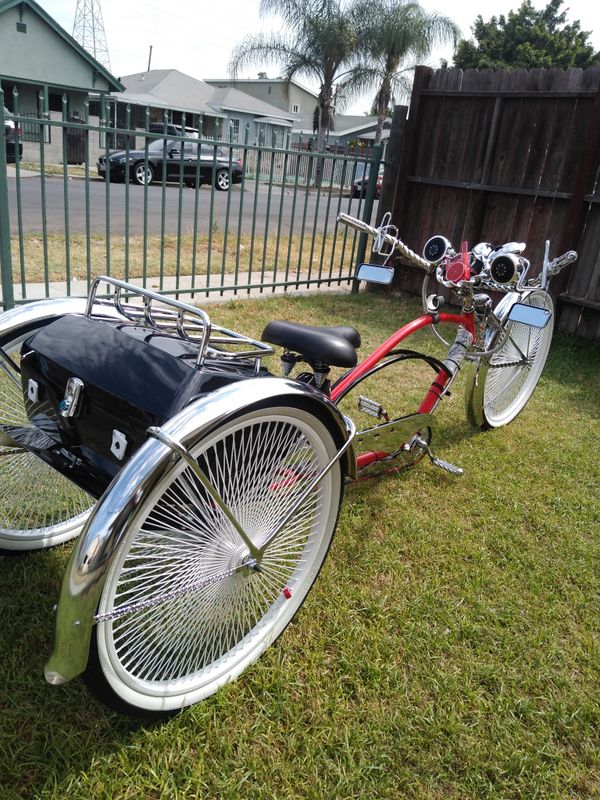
<point x="204" y="490"/>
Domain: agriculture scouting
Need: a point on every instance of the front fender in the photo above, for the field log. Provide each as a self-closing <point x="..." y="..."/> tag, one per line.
<point x="109" y="522"/>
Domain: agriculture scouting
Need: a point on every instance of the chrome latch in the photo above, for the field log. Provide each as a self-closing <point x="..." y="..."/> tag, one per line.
<point x="68" y="405"/>
<point x="33" y="391"/>
<point x="119" y="444"/>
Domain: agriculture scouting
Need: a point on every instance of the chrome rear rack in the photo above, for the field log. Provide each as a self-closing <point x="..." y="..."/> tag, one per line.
<point x="172" y="317"/>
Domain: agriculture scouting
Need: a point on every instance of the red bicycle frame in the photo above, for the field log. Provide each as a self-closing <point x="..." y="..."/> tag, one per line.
<point x="435" y="391"/>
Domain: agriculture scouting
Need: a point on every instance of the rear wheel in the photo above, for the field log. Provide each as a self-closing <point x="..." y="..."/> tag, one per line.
<point x="505" y="381"/>
<point x="183" y="611"/>
<point x="38" y="506"/>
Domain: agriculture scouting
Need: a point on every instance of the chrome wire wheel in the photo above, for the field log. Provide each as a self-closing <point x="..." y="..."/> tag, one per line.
<point x="38" y="506"/>
<point x="509" y="377"/>
<point x="183" y="610"/>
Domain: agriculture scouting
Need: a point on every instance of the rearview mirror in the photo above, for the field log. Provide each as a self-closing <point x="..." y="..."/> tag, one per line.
<point x="374" y="273"/>
<point x="530" y="315"/>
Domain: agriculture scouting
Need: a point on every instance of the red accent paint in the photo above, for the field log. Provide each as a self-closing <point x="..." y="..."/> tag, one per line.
<point x="433" y="393"/>
<point x="394" y="340"/>
<point x="287" y="593"/>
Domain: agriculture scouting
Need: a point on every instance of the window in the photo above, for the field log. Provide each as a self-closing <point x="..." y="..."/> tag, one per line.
<point x="234" y="128"/>
<point x="295" y="108"/>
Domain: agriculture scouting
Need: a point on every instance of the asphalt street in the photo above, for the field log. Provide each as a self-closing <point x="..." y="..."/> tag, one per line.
<point x="148" y="205"/>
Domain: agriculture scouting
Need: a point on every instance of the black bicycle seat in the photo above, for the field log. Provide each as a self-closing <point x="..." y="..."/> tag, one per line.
<point x="335" y="346"/>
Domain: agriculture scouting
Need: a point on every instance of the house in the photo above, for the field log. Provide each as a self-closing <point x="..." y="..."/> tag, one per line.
<point x="354" y="131"/>
<point x="288" y="96"/>
<point x="39" y="63"/>
<point x="219" y="113"/>
<point x="294" y="98"/>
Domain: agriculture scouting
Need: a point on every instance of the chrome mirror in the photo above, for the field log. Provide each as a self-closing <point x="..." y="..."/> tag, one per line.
<point x="374" y="273"/>
<point x="530" y="315"/>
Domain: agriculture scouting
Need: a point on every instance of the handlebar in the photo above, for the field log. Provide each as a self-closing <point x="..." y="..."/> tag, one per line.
<point x="498" y="268"/>
<point x="381" y="236"/>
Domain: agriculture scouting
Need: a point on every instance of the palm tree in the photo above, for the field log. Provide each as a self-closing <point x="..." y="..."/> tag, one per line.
<point x="392" y="36"/>
<point x="319" y="42"/>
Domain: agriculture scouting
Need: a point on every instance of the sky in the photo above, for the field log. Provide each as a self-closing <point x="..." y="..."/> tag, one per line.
<point x="197" y="36"/>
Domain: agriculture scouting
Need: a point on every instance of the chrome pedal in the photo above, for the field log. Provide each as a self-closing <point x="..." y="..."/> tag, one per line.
<point x="372" y="408"/>
<point x="418" y="441"/>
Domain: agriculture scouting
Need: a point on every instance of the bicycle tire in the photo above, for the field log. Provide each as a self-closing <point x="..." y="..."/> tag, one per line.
<point x="39" y="507"/>
<point x="179" y="650"/>
<point x="500" y="385"/>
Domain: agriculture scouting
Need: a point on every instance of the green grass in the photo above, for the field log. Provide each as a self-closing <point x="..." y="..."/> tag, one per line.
<point x="449" y="649"/>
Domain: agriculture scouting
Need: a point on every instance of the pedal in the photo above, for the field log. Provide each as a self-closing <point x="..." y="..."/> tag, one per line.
<point x="372" y="408"/>
<point x="418" y="441"/>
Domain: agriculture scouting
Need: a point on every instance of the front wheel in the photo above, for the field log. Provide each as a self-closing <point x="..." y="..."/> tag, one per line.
<point x="500" y="385"/>
<point x="183" y="610"/>
<point x="143" y="174"/>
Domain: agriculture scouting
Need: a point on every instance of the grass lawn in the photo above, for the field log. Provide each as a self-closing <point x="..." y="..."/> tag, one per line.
<point x="449" y="649"/>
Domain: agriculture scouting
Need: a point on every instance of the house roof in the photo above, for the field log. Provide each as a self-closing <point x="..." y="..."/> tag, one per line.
<point x="174" y="90"/>
<point x="113" y="82"/>
<point x="343" y="125"/>
<point x="168" y="88"/>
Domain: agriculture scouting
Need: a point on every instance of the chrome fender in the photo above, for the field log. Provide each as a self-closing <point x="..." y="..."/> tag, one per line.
<point x="476" y="370"/>
<point x="27" y="317"/>
<point x="109" y="522"/>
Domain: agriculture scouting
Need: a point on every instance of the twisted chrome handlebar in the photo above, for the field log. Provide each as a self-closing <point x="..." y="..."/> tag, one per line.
<point x="484" y="255"/>
<point x="382" y="236"/>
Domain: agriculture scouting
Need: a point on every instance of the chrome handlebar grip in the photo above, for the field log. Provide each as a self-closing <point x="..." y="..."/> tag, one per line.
<point x="397" y="244"/>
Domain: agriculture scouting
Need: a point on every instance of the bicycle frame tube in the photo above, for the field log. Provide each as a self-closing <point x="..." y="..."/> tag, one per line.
<point x="439" y="384"/>
<point x="381" y="352"/>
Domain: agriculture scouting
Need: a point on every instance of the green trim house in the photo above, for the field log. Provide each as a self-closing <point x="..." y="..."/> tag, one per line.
<point x="42" y="62"/>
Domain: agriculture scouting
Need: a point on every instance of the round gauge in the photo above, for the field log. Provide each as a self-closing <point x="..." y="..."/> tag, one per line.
<point x="503" y="269"/>
<point x="436" y="248"/>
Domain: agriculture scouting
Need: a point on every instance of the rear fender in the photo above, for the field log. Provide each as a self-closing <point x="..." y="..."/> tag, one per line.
<point x="109" y="522"/>
<point x="20" y="321"/>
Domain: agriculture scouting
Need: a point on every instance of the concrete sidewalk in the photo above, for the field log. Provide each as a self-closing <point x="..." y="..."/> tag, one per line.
<point x="37" y="291"/>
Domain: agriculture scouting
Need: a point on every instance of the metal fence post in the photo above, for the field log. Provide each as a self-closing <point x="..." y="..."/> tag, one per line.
<point x="368" y="207"/>
<point x="8" y="298"/>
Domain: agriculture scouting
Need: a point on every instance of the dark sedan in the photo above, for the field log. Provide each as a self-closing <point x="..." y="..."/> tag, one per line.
<point x="13" y="143"/>
<point x="196" y="162"/>
<point x="361" y="180"/>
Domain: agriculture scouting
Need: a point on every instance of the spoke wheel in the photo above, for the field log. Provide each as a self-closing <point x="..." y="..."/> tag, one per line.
<point x="506" y="380"/>
<point x="38" y="506"/>
<point x="189" y="613"/>
<point x="396" y="385"/>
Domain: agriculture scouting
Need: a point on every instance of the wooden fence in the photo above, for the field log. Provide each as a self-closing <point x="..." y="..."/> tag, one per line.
<point x="502" y="156"/>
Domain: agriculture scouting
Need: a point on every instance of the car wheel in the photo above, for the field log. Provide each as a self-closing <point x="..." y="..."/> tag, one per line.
<point x="222" y="180"/>
<point x="143" y="174"/>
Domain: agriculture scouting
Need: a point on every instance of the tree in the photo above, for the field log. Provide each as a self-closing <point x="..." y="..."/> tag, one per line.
<point x="318" y="42"/>
<point x="528" y="38"/>
<point x="393" y="36"/>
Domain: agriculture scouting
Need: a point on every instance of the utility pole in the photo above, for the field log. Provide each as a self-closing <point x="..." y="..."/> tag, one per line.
<point x="88" y="30"/>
